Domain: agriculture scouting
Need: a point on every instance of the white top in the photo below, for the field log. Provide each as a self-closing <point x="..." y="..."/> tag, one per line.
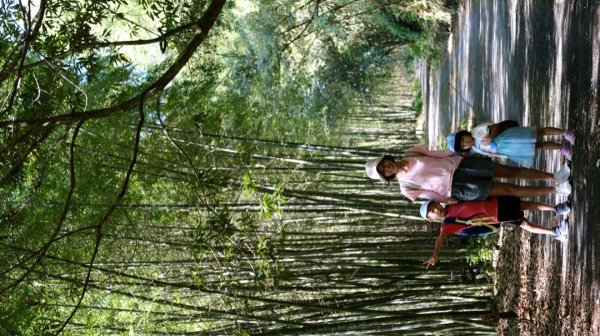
<point x="481" y="131"/>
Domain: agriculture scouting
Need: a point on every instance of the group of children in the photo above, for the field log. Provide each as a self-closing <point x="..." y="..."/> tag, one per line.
<point x="462" y="177"/>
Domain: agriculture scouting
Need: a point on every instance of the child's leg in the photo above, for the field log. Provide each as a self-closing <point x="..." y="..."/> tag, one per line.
<point x="549" y="131"/>
<point x="533" y="228"/>
<point x="507" y="189"/>
<point x="501" y="170"/>
<point x="528" y="205"/>
<point x="547" y="145"/>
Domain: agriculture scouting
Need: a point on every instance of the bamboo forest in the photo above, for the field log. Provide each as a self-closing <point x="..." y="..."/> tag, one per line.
<point x="197" y="167"/>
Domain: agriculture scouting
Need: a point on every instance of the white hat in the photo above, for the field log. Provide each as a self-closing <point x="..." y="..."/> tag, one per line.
<point x="423" y="209"/>
<point x="371" y="169"/>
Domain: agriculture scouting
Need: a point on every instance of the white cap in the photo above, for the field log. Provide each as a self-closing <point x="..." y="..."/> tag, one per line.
<point x="371" y="169"/>
<point x="423" y="209"/>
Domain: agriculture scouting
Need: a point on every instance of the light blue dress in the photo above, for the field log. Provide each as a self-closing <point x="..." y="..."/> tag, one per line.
<point x="516" y="143"/>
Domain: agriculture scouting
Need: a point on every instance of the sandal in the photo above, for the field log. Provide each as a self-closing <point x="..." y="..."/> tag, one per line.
<point x="570" y="137"/>
<point x="567" y="150"/>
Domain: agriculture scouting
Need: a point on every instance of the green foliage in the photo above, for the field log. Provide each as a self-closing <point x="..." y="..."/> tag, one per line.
<point x="480" y="250"/>
<point x="418" y="97"/>
<point x="249" y="185"/>
<point x="272" y="203"/>
<point x="23" y="309"/>
<point x="266" y="275"/>
<point x="201" y="224"/>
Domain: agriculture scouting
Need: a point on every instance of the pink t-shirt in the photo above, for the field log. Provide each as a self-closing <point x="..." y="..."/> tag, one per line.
<point x="430" y="175"/>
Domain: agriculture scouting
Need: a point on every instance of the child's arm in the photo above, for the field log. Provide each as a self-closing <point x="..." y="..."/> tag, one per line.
<point x="436" y="250"/>
<point x="413" y="194"/>
<point x="432" y="195"/>
<point x="487" y="151"/>
<point x="493" y="131"/>
<point x="422" y="149"/>
<point x="451" y="200"/>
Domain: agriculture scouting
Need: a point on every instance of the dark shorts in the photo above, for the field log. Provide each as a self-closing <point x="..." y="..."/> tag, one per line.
<point x="472" y="180"/>
<point x="509" y="209"/>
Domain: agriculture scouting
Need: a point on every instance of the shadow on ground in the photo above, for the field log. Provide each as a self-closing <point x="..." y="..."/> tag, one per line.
<point x="555" y="289"/>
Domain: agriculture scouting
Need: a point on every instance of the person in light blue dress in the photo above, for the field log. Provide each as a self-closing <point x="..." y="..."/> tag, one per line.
<point x="509" y="140"/>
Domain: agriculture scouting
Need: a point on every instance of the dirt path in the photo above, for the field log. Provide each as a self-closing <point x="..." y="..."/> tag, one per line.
<point x="536" y="62"/>
<point x="556" y="290"/>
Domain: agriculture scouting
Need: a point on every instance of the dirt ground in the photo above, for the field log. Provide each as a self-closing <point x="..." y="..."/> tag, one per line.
<point x="553" y="287"/>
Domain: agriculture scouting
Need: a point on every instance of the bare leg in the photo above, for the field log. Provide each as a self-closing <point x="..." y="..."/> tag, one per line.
<point x="549" y="131"/>
<point x="501" y="170"/>
<point x="528" y="205"/>
<point x="507" y="189"/>
<point x="547" y="145"/>
<point x="533" y="228"/>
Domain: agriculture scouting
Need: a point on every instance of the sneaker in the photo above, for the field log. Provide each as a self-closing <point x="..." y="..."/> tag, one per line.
<point x="570" y="137"/>
<point x="562" y="174"/>
<point x="561" y="231"/>
<point x="563" y="188"/>
<point x="562" y="208"/>
<point x="566" y="150"/>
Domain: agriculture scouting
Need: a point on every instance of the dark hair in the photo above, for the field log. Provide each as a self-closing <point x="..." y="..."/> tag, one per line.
<point x="457" y="138"/>
<point x="386" y="157"/>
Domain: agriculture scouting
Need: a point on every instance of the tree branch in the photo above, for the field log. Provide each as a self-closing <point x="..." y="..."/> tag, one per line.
<point x="202" y="195"/>
<point x="203" y="26"/>
<point x="159" y="39"/>
<point x="42" y="251"/>
<point x="24" y="154"/>
<point x="111" y="209"/>
<point x="314" y="14"/>
<point x="30" y="35"/>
